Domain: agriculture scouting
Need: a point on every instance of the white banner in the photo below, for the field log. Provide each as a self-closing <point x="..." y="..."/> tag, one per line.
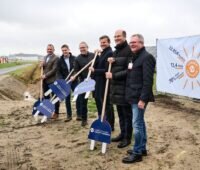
<point x="178" y="66"/>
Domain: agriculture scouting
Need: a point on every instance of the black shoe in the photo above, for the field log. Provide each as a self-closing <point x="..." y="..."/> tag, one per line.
<point x="124" y="143"/>
<point x="117" y="139"/>
<point x="68" y="119"/>
<point x="78" y="118"/>
<point x="84" y="123"/>
<point x="132" y="159"/>
<point x="144" y="152"/>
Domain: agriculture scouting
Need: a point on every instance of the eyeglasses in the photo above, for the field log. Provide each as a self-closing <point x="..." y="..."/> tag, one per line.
<point x="82" y="47"/>
<point x="133" y="42"/>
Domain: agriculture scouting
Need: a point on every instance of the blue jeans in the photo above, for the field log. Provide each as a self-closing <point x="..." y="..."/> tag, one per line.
<point x="139" y="129"/>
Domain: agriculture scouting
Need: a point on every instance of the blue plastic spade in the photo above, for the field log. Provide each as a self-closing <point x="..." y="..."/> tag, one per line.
<point x="100" y="129"/>
<point x="46" y="107"/>
<point x="84" y="87"/>
<point x="60" y="88"/>
<point x="36" y="104"/>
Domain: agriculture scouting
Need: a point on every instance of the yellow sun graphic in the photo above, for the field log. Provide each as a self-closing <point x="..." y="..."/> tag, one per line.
<point x="191" y="67"/>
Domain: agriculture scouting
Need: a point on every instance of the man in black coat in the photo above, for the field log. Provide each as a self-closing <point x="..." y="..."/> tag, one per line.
<point x="138" y="93"/>
<point x="99" y="71"/>
<point x="83" y="59"/>
<point x="120" y="59"/>
<point x="64" y="67"/>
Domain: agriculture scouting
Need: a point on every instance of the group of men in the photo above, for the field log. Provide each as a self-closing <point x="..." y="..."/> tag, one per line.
<point x="130" y="88"/>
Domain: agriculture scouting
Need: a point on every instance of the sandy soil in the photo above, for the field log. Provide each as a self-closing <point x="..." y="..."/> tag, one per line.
<point x="173" y="138"/>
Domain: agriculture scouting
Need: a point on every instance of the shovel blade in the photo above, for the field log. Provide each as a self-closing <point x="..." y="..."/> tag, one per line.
<point x="100" y="131"/>
<point x="84" y="87"/>
<point x="46" y="107"/>
<point x="60" y="88"/>
<point x="35" y="105"/>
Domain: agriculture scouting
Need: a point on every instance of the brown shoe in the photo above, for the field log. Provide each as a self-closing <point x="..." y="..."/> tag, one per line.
<point x="78" y="118"/>
<point x="68" y="119"/>
<point x="55" y="116"/>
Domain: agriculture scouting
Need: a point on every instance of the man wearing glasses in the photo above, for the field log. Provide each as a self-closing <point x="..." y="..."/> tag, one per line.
<point x="138" y="93"/>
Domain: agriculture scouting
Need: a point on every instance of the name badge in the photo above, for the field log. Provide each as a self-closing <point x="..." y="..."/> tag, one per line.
<point x="130" y="66"/>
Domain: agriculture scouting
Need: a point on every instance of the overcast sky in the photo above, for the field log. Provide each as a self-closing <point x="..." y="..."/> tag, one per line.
<point x="29" y="25"/>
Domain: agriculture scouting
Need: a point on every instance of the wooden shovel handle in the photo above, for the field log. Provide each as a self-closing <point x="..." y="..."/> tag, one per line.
<point x="87" y="65"/>
<point x="41" y="83"/>
<point x="93" y="61"/>
<point x="105" y="95"/>
<point x="69" y="74"/>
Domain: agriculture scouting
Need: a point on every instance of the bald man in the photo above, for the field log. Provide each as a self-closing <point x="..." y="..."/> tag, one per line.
<point x="121" y="57"/>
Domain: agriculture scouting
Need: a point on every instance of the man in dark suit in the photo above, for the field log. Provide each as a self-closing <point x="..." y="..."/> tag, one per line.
<point x="65" y="66"/>
<point x="50" y="67"/>
<point x="120" y="59"/>
<point x="99" y="71"/>
<point x="83" y="59"/>
<point x="138" y="93"/>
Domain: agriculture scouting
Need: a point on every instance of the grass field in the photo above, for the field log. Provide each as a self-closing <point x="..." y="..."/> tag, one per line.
<point x="29" y="74"/>
<point x="6" y="65"/>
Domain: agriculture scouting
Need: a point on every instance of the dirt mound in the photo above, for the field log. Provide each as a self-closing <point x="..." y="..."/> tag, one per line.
<point x="11" y="88"/>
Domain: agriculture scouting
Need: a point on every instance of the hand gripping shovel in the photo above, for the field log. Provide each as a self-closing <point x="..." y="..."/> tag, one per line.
<point x="100" y="129"/>
<point x="87" y="85"/>
<point x="37" y="103"/>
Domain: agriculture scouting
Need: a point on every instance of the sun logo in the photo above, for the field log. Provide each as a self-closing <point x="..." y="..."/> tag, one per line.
<point x="188" y="66"/>
<point x="192" y="68"/>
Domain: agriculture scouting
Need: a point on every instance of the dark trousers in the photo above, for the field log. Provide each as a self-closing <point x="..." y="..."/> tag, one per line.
<point x="83" y="106"/>
<point x="125" y="121"/>
<point x="45" y="88"/>
<point x="109" y="111"/>
<point x="68" y="103"/>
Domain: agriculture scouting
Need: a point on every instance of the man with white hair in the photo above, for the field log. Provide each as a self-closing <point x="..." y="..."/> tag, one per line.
<point x="139" y="92"/>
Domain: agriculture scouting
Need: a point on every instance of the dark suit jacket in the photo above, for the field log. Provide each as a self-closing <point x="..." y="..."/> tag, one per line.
<point x="50" y="68"/>
<point x="100" y="68"/>
<point x="62" y="71"/>
<point x="140" y="78"/>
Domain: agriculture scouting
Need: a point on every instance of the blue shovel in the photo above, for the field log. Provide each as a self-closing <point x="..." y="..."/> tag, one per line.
<point x="100" y="129"/>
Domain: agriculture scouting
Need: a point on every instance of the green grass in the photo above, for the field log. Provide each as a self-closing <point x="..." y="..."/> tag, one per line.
<point x="16" y="63"/>
<point x="26" y="74"/>
<point x="6" y="65"/>
<point x="92" y="108"/>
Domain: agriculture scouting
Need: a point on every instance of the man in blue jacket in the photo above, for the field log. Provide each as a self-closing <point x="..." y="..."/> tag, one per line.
<point x="139" y="92"/>
<point x="99" y="70"/>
